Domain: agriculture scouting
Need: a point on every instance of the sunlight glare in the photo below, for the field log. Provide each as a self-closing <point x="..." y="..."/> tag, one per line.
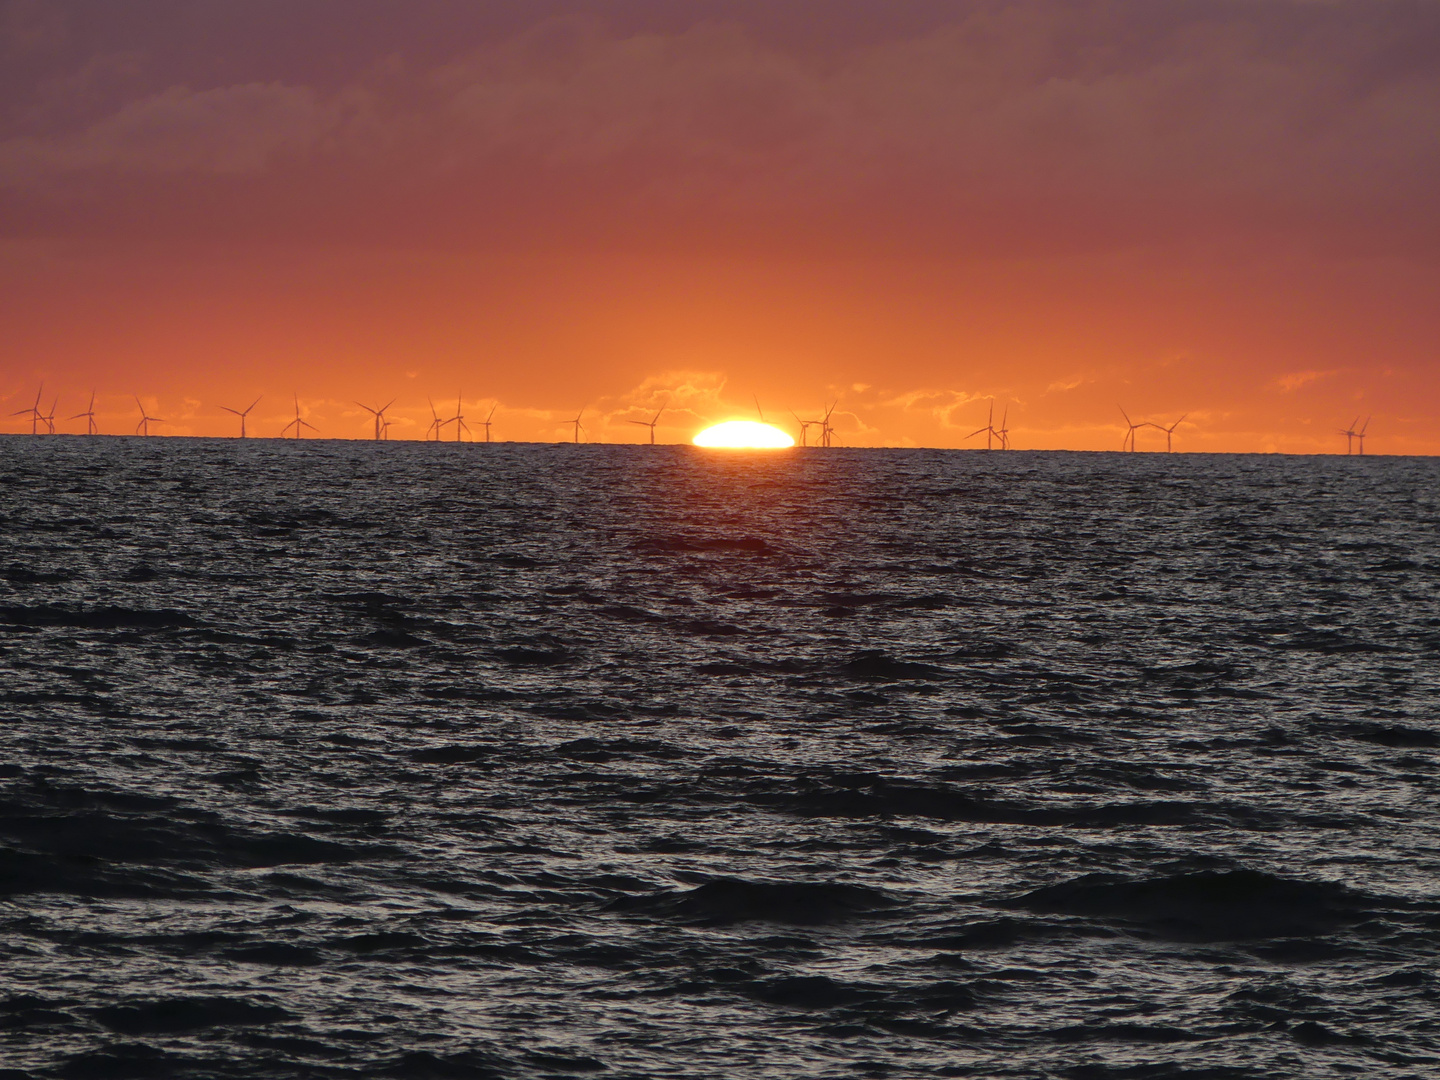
<point x="744" y="435"/>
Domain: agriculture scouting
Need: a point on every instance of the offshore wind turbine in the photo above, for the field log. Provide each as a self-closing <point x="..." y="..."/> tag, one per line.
<point x="804" y="428"/>
<point x="243" y="414"/>
<point x="825" y="429"/>
<point x="1360" y="435"/>
<point x="298" y="423"/>
<point x="91" y="428"/>
<point x="656" y="419"/>
<point x="381" y="424"/>
<point x="436" y="425"/>
<point x="1169" y="431"/>
<point x="1130" y="434"/>
<point x="49" y="418"/>
<point x="1349" y="433"/>
<point x="579" y="427"/>
<point x="989" y="428"/>
<point x="486" y="422"/>
<point x="143" y="428"/>
<point x="458" y="420"/>
<point x="1003" y="431"/>
<point x="33" y="412"/>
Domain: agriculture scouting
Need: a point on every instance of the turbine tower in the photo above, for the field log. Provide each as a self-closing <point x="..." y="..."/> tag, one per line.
<point x="579" y="427"/>
<point x="36" y="416"/>
<point x="458" y="420"/>
<point x="1128" y="443"/>
<point x="486" y="422"/>
<point x="49" y="417"/>
<point x="656" y="419"/>
<point x="143" y="428"/>
<point x="1359" y="435"/>
<point x="826" y="431"/>
<point x="1349" y="433"/>
<point x="804" y="428"/>
<point x="298" y="423"/>
<point x="1003" y="431"/>
<point x="1169" y="431"/>
<point x="242" y="415"/>
<point x="91" y="428"/>
<point x="436" y="424"/>
<point x="989" y="429"/>
<point x="381" y="424"/>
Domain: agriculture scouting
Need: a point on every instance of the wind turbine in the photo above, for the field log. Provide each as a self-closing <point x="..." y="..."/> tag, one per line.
<point x="579" y="427"/>
<point x="1169" y="431"/>
<point x="298" y="423"/>
<point x="143" y="428"/>
<point x="1130" y="434"/>
<point x="1002" y="431"/>
<point x="91" y="428"/>
<point x="436" y="424"/>
<point x="656" y="419"/>
<point x="242" y="415"/>
<point x="804" y="428"/>
<point x="1349" y="433"/>
<point x="825" y="429"/>
<point x="49" y="418"/>
<point x="458" y="420"/>
<point x="486" y="422"/>
<point x="1360" y="435"/>
<point x="989" y="428"/>
<point x="33" y="412"/>
<point x="380" y="422"/>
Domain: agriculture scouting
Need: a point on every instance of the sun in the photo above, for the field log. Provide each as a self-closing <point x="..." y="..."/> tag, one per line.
<point x="744" y="435"/>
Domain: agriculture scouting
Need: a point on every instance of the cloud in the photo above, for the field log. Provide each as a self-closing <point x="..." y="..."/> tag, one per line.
<point x="231" y="130"/>
<point x="1296" y="379"/>
<point x="1036" y="122"/>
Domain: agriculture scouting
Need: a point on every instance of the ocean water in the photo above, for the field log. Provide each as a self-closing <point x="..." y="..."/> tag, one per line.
<point x="341" y="759"/>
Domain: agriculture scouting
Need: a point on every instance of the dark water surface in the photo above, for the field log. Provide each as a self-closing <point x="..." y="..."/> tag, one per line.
<point x="342" y="759"/>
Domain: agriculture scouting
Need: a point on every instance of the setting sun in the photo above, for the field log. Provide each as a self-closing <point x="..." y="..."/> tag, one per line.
<point x="744" y="435"/>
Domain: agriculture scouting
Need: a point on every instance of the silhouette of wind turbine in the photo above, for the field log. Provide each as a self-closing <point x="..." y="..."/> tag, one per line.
<point x="1129" y="440"/>
<point x="91" y="428"/>
<point x="1349" y="433"/>
<point x="579" y="427"/>
<point x="436" y="424"/>
<point x="804" y="428"/>
<point x="49" y="417"/>
<point x="242" y="415"/>
<point x="1360" y="435"/>
<point x="825" y="429"/>
<point x="298" y="423"/>
<point x="381" y="424"/>
<point x="33" y="412"/>
<point x="1169" y="431"/>
<point x="458" y="420"/>
<point x="655" y="420"/>
<point x="989" y="428"/>
<point x="486" y="422"/>
<point x="143" y="428"/>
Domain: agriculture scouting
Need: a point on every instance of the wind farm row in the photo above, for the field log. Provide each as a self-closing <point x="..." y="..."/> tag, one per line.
<point x="441" y="427"/>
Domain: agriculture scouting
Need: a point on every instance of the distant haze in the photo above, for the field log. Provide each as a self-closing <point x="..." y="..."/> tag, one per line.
<point x="1220" y="209"/>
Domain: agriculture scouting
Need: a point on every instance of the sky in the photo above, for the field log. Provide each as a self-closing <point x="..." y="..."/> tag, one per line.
<point x="912" y="210"/>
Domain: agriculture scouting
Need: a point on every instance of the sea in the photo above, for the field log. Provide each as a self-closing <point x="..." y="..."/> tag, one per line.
<point x="326" y="759"/>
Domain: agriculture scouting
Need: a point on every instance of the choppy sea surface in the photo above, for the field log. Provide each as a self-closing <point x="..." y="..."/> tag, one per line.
<point x="339" y="759"/>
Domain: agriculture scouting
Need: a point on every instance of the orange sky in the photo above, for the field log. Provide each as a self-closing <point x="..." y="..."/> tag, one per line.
<point x="1220" y="209"/>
